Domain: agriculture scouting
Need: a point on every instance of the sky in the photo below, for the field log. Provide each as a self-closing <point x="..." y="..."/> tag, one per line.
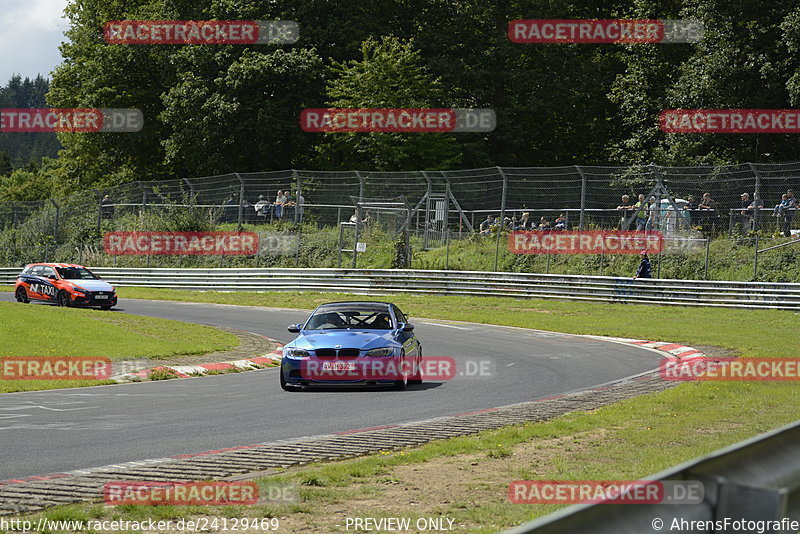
<point x="30" y="33"/>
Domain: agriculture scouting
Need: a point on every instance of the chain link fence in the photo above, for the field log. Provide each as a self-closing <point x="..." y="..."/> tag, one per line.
<point x="300" y="214"/>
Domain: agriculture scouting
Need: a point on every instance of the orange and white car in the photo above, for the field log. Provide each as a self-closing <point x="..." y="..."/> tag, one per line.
<point x="64" y="284"/>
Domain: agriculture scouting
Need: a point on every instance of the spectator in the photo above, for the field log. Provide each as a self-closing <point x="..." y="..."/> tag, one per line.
<point x="641" y="215"/>
<point x="708" y="203"/>
<point x="708" y="208"/>
<point x="788" y="213"/>
<point x="106" y="207"/>
<point x="508" y="223"/>
<point x="262" y="206"/>
<point x="560" y="223"/>
<point x="486" y="226"/>
<point x="544" y="224"/>
<point x="277" y="206"/>
<point x="691" y="207"/>
<point x="525" y="223"/>
<point x="229" y="210"/>
<point x="644" y="270"/>
<point x="745" y="214"/>
<point x="627" y="207"/>
<point x="652" y="215"/>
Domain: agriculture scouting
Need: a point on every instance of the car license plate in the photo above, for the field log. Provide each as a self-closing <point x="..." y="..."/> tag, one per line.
<point x="101" y="297"/>
<point x="338" y="366"/>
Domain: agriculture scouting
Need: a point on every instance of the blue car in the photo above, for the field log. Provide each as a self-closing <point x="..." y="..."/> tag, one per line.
<point x="344" y="343"/>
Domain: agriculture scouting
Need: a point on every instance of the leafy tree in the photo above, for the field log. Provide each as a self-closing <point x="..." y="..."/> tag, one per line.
<point x="389" y="75"/>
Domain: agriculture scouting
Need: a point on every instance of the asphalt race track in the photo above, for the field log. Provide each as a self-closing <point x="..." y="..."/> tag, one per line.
<point x="56" y="431"/>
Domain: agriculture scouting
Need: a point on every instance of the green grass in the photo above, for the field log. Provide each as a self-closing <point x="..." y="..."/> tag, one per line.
<point x="752" y="332"/>
<point x="29" y="330"/>
<point x="628" y="440"/>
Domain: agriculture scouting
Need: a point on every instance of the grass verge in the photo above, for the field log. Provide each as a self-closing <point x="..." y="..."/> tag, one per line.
<point x="466" y="479"/>
<point x="30" y="330"/>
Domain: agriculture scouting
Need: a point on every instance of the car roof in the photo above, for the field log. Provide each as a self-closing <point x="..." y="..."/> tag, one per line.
<point x="355" y="304"/>
<point x="61" y="265"/>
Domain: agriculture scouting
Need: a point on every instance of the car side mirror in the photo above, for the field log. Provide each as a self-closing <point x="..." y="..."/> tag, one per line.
<point x="294" y="328"/>
<point x="406" y="327"/>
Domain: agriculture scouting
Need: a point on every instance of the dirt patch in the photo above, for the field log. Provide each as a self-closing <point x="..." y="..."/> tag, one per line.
<point x="431" y="488"/>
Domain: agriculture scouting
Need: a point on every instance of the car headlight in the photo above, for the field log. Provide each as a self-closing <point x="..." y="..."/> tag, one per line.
<point x="383" y="351"/>
<point x="296" y="353"/>
<point x="79" y="294"/>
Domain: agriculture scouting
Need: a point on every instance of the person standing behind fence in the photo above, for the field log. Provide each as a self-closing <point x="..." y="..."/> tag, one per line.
<point x="745" y="214"/>
<point x="525" y="223"/>
<point x="691" y="207"/>
<point x="625" y="206"/>
<point x="788" y="213"/>
<point x="277" y="206"/>
<point x="644" y="270"/>
<point x="107" y="208"/>
<point x="641" y="215"/>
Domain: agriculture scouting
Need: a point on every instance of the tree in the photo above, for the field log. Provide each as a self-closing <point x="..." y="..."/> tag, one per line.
<point x="389" y="75"/>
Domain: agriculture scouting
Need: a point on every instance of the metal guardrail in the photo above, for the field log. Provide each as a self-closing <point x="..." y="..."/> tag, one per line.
<point x="755" y="480"/>
<point x="767" y="295"/>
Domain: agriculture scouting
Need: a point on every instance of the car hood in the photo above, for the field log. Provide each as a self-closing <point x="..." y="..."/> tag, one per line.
<point x="92" y="285"/>
<point x="349" y="339"/>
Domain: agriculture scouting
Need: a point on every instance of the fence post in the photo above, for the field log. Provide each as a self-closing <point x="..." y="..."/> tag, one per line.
<point x="99" y="210"/>
<point x="360" y="186"/>
<point x="755" y="261"/>
<point x="447" y="249"/>
<point x="144" y="195"/>
<point x="502" y="217"/>
<point x="583" y="196"/>
<point x="708" y="244"/>
<point x="241" y="200"/>
<point x="56" y="218"/>
<point x="191" y="192"/>
<point x="299" y="209"/>
<point x="756" y="194"/>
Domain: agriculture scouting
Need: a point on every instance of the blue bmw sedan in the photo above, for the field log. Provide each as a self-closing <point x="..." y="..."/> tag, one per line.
<point x="348" y="343"/>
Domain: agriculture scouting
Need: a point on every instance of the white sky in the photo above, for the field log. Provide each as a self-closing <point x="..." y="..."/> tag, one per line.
<point x="30" y="32"/>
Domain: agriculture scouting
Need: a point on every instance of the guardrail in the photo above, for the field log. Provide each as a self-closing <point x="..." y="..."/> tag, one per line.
<point x="769" y="295"/>
<point x="755" y="480"/>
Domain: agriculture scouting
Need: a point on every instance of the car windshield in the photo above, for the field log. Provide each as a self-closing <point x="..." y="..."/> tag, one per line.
<point x="75" y="273"/>
<point x="355" y="318"/>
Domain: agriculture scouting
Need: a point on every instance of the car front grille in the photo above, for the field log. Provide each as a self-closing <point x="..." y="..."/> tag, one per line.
<point x="333" y="353"/>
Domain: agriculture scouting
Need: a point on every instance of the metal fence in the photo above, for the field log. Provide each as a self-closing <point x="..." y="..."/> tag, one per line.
<point x="444" y="205"/>
<point x="744" y="295"/>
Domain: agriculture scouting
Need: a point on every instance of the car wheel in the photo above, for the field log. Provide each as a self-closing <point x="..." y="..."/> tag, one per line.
<point x="63" y="299"/>
<point x="416" y="378"/>
<point x="401" y="384"/>
<point x="284" y="385"/>
<point x="22" y="295"/>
